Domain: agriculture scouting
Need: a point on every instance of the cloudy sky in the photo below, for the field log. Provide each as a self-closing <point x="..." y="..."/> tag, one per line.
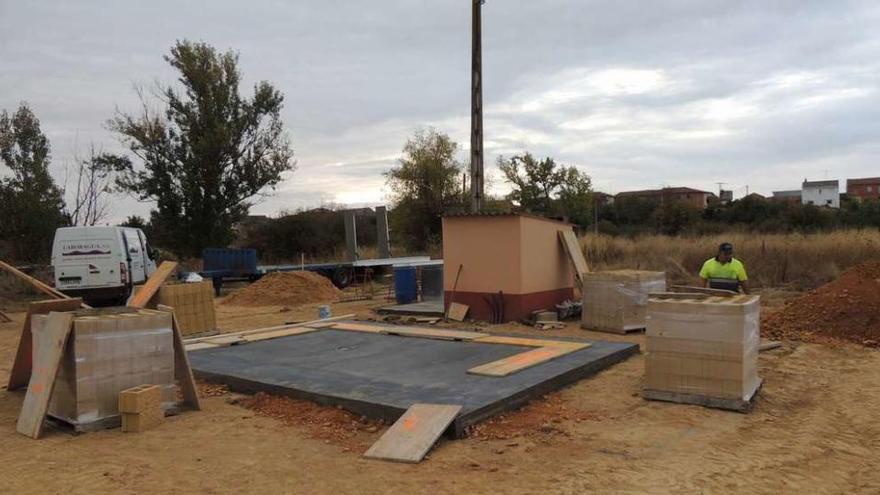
<point x="757" y="94"/>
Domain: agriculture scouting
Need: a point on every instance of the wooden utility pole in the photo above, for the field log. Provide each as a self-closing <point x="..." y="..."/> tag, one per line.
<point x="477" y="108"/>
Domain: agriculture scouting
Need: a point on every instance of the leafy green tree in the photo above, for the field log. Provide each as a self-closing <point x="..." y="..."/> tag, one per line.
<point x="425" y="182"/>
<point x="672" y="217"/>
<point x="31" y="204"/>
<point x="207" y="155"/>
<point x="542" y="186"/>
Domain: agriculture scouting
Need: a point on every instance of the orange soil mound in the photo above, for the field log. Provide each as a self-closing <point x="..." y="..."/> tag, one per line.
<point x="845" y="309"/>
<point x="286" y="288"/>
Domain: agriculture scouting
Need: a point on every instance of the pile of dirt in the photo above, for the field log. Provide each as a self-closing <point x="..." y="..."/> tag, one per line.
<point x="537" y="418"/>
<point x="330" y="424"/>
<point x="846" y="309"/>
<point x="286" y="288"/>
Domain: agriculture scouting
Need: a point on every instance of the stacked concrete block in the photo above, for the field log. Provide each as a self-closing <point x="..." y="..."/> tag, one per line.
<point x="616" y="301"/>
<point x="193" y="306"/>
<point x="108" y="352"/>
<point x="141" y="408"/>
<point x="702" y="346"/>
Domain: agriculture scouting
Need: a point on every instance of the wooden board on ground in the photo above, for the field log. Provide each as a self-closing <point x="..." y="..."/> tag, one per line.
<point x="182" y="370"/>
<point x="21" y="367"/>
<point x="4" y="318"/>
<point x="570" y="244"/>
<point x="767" y="345"/>
<point x="523" y="360"/>
<point x="411" y="437"/>
<point x="404" y="331"/>
<point x="527" y="342"/>
<point x="316" y="324"/>
<point x="49" y="343"/>
<point x="458" y="311"/>
<point x="737" y="405"/>
<point x="152" y="285"/>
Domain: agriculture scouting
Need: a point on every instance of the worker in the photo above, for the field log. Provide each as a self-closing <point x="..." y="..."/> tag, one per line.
<point x="724" y="271"/>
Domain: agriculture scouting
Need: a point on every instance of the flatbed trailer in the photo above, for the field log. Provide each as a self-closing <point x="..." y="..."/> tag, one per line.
<point x="226" y="265"/>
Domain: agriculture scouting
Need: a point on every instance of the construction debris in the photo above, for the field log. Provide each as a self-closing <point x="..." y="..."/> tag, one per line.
<point x="573" y="250"/>
<point x="457" y="311"/>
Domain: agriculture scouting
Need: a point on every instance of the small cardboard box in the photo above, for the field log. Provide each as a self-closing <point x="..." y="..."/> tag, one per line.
<point x="616" y="301"/>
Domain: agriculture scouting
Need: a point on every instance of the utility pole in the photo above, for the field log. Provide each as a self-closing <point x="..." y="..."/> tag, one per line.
<point x="477" y="107"/>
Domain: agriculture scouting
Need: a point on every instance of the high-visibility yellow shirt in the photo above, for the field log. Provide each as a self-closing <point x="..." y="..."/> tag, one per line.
<point x="734" y="270"/>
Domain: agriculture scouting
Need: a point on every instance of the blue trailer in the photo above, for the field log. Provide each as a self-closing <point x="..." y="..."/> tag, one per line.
<point x="226" y="264"/>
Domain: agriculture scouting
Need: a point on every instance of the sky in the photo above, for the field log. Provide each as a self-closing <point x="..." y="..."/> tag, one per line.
<point x="758" y="95"/>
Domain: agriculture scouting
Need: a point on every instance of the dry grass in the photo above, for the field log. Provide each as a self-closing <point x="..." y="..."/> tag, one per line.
<point x="772" y="260"/>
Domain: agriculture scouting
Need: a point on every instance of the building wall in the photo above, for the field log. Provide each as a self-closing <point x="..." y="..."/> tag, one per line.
<point x="544" y="264"/>
<point x="821" y="196"/>
<point x="516" y="262"/>
<point x="487" y="248"/>
<point x="864" y="191"/>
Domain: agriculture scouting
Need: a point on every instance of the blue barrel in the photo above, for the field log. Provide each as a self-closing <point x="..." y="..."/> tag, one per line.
<point x="405" y="286"/>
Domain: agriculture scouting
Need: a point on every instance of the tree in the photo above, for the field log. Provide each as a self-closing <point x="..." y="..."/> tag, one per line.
<point x="31" y="204"/>
<point x="423" y="185"/>
<point x="93" y="186"/>
<point x="547" y="188"/>
<point x="210" y="152"/>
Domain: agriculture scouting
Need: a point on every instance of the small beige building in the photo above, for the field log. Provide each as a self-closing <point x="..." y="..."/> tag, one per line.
<point x="511" y="264"/>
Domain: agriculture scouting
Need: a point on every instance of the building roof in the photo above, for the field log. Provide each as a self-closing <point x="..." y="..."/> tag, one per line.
<point x="499" y="213"/>
<point x="665" y="190"/>
<point x="863" y="182"/>
<point x="787" y="194"/>
<point x="820" y="183"/>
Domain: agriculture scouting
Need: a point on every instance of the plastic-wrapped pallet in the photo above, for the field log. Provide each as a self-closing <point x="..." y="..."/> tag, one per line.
<point x="616" y="301"/>
<point x="703" y="349"/>
<point x="109" y="353"/>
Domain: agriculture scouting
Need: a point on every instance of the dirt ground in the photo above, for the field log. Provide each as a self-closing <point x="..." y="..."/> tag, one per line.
<point x="814" y="430"/>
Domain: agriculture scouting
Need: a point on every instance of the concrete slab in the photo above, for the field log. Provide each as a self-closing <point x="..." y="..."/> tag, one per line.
<point x="380" y="376"/>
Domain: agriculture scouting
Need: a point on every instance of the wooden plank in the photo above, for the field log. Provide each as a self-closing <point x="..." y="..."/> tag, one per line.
<point x="278" y="333"/>
<point x="37" y="284"/>
<point x="571" y="247"/>
<point x="527" y="342"/>
<point x="767" y="345"/>
<point x="524" y="360"/>
<point x="182" y="370"/>
<point x="458" y="311"/>
<point x="20" y="374"/>
<point x="406" y="331"/>
<point x="49" y="344"/>
<point x="4" y="318"/>
<point x="323" y="323"/>
<point x="200" y="345"/>
<point x="702" y="290"/>
<point x="152" y="285"/>
<point x="411" y="437"/>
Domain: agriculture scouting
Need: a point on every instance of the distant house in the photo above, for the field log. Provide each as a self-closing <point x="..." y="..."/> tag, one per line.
<point x="860" y="189"/>
<point x="689" y="195"/>
<point x="793" y="196"/>
<point x="821" y="193"/>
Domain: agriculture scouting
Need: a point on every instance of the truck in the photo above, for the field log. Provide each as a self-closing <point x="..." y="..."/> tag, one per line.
<point x="101" y="264"/>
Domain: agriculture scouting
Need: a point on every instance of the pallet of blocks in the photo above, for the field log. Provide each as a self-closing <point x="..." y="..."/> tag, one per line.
<point x="110" y="351"/>
<point x="703" y="350"/>
<point x="141" y="408"/>
<point x="193" y="305"/>
<point x="616" y="301"/>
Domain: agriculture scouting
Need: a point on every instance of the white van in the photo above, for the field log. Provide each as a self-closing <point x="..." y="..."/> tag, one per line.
<point x="101" y="263"/>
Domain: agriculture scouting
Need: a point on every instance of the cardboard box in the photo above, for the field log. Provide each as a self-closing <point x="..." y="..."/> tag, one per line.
<point x="706" y="346"/>
<point x="616" y="301"/>
<point x="108" y="353"/>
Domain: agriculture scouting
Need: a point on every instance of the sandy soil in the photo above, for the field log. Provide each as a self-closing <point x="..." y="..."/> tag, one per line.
<point x="814" y="431"/>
